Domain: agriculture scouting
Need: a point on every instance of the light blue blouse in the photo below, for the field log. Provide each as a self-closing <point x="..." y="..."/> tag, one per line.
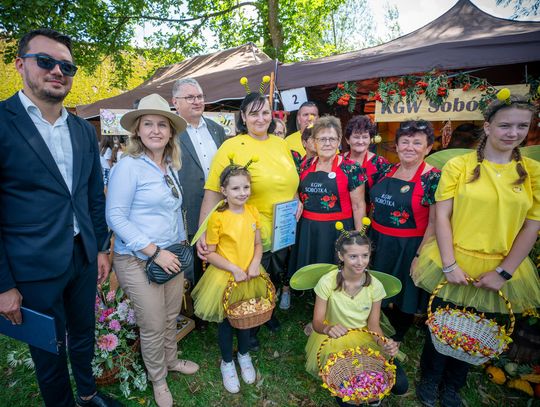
<point x="141" y="208"/>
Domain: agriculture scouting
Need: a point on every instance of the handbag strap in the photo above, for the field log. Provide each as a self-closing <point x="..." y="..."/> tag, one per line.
<point x="184" y="212"/>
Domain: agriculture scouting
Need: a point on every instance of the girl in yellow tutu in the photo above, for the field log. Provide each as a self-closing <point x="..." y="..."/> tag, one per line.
<point x="346" y="298"/>
<point x="487" y="220"/>
<point x="234" y="242"/>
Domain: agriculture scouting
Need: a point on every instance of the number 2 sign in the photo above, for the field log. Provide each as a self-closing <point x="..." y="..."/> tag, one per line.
<point x="292" y="99"/>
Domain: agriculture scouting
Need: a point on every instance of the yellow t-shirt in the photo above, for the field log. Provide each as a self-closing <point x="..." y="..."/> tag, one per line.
<point x="344" y="310"/>
<point x="489" y="212"/>
<point x="273" y="178"/>
<point x="234" y="234"/>
<point x="294" y="141"/>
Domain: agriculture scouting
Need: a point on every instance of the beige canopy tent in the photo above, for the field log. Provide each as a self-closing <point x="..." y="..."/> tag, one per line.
<point x="219" y="73"/>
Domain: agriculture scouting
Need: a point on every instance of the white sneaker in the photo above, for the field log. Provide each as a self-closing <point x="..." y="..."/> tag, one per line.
<point x="285" y="301"/>
<point x="246" y="368"/>
<point x="230" y="377"/>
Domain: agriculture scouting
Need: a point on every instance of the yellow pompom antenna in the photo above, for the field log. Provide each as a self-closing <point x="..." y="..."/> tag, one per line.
<point x="252" y="160"/>
<point x="262" y="87"/>
<point x="504" y="95"/>
<point x="231" y="158"/>
<point x="341" y="228"/>
<point x="244" y="83"/>
<point x="365" y="224"/>
<point x="376" y="139"/>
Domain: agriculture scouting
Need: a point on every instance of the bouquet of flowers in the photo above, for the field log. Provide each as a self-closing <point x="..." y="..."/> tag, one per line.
<point x="117" y="355"/>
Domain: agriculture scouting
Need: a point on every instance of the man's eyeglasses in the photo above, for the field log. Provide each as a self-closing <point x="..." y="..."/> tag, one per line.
<point x="171" y="185"/>
<point x="329" y="140"/>
<point x="191" y="98"/>
<point x="414" y="125"/>
<point x="48" y="63"/>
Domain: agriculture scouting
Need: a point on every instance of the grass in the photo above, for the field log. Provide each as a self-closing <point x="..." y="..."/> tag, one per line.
<point x="281" y="381"/>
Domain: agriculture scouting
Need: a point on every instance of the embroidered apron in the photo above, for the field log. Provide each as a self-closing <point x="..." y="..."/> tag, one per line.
<point x="397" y="205"/>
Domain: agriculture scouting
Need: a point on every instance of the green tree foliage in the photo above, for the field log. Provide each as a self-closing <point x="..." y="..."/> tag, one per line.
<point x="87" y="87"/>
<point x="522" y="8"/>
<point x="285" y="29"/>
<point x="352" y="27"/>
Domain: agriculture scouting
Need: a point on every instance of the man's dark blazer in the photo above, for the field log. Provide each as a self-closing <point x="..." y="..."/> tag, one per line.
<point x="192" y="175"/>
<point x="36" y="207"/>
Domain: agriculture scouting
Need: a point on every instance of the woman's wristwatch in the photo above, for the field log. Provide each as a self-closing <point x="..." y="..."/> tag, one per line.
<point x="503" y="273"/>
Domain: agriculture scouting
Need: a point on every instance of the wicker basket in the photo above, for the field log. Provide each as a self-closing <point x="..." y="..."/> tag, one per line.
<point x="253" y="319"/>
<point x="465" y="335"/>
<point x="355" y="362"/>
<point x="109" y="375"/>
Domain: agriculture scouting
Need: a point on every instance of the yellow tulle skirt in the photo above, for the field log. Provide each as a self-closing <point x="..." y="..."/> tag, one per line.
<point x="351" y="340"/>
<point x="208" y="293"/>
<point x="523" y="290"/>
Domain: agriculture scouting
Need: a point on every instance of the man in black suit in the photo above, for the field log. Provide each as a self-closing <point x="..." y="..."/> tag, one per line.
<point x="52" y="216"/>
<point x="199" y="143"/>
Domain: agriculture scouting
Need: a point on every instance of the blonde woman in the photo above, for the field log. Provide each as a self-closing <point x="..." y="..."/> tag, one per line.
<point x="144" y="205"/>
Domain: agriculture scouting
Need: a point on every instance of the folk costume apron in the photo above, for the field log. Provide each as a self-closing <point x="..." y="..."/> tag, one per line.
<point x="326" y="200"/>
<point x="398" y="226"/>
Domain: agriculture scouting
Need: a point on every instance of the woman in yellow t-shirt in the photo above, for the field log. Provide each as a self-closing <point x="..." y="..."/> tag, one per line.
<point x="487" y="220"/>
<point x="273" y="179"/>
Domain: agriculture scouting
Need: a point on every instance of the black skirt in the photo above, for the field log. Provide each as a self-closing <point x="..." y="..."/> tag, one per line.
<point x="315" y="243"/>
<point x="394" y="255"/>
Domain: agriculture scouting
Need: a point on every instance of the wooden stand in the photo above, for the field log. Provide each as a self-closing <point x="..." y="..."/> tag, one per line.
<point x="184" y="325"/>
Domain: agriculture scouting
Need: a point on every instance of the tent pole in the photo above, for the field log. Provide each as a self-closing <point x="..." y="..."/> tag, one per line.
<point x="274" y="94"/>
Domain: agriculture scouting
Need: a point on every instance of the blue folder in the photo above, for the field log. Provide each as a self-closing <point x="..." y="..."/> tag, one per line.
<point x="37" y="329"/>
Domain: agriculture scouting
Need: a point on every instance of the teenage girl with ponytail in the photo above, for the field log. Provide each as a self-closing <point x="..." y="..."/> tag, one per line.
<point x="487" y="220"/>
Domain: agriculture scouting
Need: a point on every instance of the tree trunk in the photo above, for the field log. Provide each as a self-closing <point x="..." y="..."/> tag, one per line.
<point x="274" y="28"/>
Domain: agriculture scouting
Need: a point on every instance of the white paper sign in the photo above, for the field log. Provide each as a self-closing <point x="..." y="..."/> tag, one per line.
<point x="225" y="120"/>
<point x="284" y="224"/>
<point x="110" y="121"/>
<point x="293" y="98"/>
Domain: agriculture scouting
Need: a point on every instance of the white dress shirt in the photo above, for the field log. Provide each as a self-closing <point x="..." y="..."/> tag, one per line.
<point x="58" y="140"/>
<point x="141" y="208"/>
<point x="204" y="144"/>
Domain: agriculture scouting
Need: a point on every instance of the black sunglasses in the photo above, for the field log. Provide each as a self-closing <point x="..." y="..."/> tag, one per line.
<point x="414" y="125"/>
<point x="48" y="63"/>
<point x="171" y="185"/>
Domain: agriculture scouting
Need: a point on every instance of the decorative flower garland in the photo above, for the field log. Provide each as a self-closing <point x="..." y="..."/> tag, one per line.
<point x="344" y="95"/>
<point x="463" y="341"/>
<point x="435" y="85"/>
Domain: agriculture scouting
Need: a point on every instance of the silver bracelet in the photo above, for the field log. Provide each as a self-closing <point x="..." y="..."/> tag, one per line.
<point x="450" y="268"/>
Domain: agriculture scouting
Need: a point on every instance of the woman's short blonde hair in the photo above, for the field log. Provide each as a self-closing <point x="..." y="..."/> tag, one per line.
<point x="327" y="122"/>
<point x="172" y="154"/>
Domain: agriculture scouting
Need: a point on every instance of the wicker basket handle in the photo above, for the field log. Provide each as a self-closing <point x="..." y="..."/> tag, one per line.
<point x="325" y="341"/>
<point x="231" y="284"/>
<point x="470" y="281"/>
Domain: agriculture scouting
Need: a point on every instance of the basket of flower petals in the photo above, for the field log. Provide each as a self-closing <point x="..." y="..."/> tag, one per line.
<point x="251" y="312"/>
<point x="465" y="335"/>
<point x="357" y="375"/>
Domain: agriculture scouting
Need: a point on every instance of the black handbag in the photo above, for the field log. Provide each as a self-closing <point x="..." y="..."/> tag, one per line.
<point x="182" y="250"/>
<point x="156" y="274"/>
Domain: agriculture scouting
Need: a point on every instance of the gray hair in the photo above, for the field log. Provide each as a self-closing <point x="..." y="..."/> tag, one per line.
<point x="182" y="82"/>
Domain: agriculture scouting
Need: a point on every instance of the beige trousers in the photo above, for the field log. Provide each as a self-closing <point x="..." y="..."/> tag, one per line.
<point x="156" y="308"/>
